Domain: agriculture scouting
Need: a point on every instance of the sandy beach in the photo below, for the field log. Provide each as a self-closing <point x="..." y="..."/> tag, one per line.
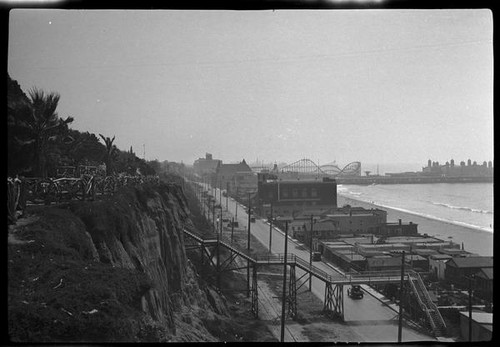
<point x="474" y="240"/>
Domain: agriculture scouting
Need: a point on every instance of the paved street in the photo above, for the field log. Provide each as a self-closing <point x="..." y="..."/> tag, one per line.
<point x="371" y="320"/>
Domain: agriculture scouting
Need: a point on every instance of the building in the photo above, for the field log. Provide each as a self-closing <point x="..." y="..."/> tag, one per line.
<point x="206" y="166"/>
<point x="342" y="254"/>
<point x="357" y="220"/>
<point x="243" y="183"/>
<point x="458" y="269"/>
<point x="484" y="284"/>
<point x="449" y="169"/>
<point x="237" y="179"/>
<point x="398" y="229"/>
<point x="417" y="262"/>
<point x="437" y="264"/>
<point x="383" y="263"/>
<point x="322" y="229"/>
<point x="292" y="197"/>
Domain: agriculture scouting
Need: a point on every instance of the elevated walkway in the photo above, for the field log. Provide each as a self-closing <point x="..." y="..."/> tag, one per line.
<point x="333" y="301"/>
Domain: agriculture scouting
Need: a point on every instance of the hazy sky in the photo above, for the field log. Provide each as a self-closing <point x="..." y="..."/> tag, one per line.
<point x="375" y="86"/>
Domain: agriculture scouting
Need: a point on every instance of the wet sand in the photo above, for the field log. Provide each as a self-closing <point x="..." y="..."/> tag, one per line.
<point x="475" y="241"/>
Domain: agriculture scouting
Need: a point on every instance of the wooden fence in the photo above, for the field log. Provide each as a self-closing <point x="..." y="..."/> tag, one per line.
<point x="22" y="191"/>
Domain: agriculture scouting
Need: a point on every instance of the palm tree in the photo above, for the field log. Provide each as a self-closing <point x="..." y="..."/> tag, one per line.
<point x="111" y="152"/>
<point x="42" y="125"/>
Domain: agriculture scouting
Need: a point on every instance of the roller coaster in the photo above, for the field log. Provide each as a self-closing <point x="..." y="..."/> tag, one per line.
<point x="309" y="167"/>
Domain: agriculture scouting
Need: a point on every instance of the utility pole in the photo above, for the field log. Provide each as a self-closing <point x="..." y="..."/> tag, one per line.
<point x="400" y="325"/>
<point x="271" y="228"/>
<point x="248" y="246"/>
<point x="220" y="194"/>
<point x="232" y="228"/>
<point x="470" y="308"/>
<point x="213" y="215"/>
<point x="220" y="222"/>
<point x="249" y="214"/>
<point x="283" y="298"/>
<point x="236" y="200"/>
<point x="310" y="253"/>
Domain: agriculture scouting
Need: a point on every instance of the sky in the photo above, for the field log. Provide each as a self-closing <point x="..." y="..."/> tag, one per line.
<point x="375" y="86"/>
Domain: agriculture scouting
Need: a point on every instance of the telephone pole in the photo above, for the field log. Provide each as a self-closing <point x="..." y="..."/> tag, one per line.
<point x="283" y="298"/>
<point x="402" y="282"/>
<point x="310" y="253"/>
<point x="271" y="228"/>
<point x="248" y="246"/>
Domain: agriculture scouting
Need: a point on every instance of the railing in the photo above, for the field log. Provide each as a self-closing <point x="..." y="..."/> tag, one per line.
<point x="422" y="305"/>
<point x="21" y="191"/>
<point x="429" y="303"/>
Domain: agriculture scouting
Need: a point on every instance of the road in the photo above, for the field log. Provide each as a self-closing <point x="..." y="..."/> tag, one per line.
<point x="369" y="318"/>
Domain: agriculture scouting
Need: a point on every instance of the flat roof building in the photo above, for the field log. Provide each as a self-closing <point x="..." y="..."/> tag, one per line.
<point x="293" y="197"/>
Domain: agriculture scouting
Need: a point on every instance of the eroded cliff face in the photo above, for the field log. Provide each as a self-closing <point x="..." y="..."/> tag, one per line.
<point x="122" y="259"/>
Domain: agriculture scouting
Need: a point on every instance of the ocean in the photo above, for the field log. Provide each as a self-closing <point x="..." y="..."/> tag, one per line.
<point x="468" y="204"/>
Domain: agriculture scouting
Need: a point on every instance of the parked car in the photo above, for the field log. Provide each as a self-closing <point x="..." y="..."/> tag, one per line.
<point x="316" y="256"/>
<point x="355" y="292"/>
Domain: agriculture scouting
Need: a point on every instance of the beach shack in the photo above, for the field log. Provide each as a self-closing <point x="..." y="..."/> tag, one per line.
<point x="437" y="264"/>
<point x="460" y="268"/>
<point x="484" y="283"/>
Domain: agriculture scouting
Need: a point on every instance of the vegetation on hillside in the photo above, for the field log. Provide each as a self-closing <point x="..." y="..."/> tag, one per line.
<point x="39" y="140"/>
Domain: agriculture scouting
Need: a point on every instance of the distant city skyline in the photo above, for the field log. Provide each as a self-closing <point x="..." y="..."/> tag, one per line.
<point x="380" y="87"/>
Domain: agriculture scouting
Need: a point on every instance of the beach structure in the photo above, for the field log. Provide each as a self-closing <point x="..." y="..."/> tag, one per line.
<point x="398" y="228"/>
<point x="484" y="283"/>
<point x="458" y="269"/>
<point x="437" y="264"/>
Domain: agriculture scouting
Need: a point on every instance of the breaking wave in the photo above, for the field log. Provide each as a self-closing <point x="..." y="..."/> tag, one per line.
<point x="461" y="208"/>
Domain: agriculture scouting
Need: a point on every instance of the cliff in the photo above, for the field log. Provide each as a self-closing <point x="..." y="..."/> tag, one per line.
<point x="111" y="270"/>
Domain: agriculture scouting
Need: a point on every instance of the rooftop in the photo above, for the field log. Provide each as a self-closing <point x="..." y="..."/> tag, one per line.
<point x="411" y="239"/>
<point x="471" y="262"/>
<point x="486" y="273"/>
